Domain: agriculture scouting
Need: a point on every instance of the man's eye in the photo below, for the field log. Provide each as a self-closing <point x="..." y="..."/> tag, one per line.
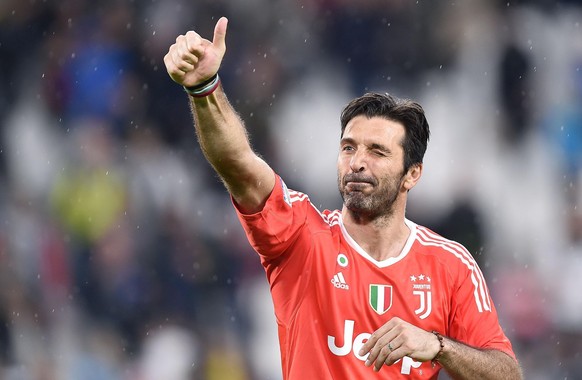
<point x="348" y="148"/>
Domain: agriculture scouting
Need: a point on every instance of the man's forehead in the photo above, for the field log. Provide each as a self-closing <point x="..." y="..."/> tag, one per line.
<point x="374" y="128"/>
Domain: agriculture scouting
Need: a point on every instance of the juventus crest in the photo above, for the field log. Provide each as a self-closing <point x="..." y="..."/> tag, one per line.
<point x="422" y="290"/>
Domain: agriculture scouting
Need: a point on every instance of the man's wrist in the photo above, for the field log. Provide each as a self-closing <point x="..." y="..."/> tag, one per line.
<point x="205" y="88"/>
<point x="441" y="341"/>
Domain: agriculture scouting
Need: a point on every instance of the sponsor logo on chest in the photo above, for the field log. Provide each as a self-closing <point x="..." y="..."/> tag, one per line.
<point x="353" y="345"/>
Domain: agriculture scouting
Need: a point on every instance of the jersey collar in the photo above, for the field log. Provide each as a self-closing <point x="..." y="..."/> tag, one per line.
<point x="389" y="261"/>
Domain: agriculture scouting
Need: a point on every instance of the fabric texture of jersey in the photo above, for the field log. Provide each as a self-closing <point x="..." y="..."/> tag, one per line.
<point x="329" y="295"/>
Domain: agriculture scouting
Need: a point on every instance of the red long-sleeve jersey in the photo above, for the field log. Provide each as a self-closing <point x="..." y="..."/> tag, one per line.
<point x="329" y="294"/>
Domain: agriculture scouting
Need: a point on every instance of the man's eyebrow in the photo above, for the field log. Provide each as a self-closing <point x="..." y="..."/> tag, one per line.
<point x="351" y="141"/>
<point x="347" y="140"/>
<point x="380" y="147"/>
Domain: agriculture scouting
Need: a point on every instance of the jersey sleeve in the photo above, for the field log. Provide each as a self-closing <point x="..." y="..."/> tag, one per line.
<point x="281" y="235"/>
<point x="474" y="319"/>
<point x="277" y="226"/>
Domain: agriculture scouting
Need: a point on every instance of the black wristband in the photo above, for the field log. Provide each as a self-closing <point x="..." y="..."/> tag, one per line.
<point x="200" y="86"/>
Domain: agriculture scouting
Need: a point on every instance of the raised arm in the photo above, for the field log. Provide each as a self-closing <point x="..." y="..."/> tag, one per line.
<point x="191" y="62"/>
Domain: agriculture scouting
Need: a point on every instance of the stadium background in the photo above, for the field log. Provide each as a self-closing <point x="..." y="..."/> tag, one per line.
<point x="120" y="255"/>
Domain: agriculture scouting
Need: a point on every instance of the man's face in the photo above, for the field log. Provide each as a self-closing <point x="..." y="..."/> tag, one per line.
<point x="370" y="165"/>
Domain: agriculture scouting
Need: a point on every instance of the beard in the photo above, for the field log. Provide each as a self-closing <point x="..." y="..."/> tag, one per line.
<point x="378" y="203"/>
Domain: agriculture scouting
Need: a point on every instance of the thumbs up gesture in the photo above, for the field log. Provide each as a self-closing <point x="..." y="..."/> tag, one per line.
<point x="193" y="59"/>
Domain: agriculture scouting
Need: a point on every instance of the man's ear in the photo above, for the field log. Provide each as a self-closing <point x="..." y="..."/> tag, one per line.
<point x="412" y="176"/>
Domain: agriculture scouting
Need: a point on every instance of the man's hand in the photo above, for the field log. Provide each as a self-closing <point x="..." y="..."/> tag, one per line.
<point x="397" y="339"/>
<point x="193" y="59"/>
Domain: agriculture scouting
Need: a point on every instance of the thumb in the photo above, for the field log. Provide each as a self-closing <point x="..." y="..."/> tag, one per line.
<point x="219" y="39"/>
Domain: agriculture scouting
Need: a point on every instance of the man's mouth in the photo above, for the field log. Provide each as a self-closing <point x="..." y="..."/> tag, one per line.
<point x="356" y="186"/>
<point x="357" y="182"/>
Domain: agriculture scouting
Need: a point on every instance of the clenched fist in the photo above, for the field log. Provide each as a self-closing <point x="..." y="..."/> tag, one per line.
<point x="193" y="59"/>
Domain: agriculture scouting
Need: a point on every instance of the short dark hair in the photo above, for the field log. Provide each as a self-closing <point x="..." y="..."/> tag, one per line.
<point x="407" y="112"/>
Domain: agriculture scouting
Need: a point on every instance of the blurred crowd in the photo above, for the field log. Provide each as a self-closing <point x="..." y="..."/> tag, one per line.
<point x="121" y="257"/>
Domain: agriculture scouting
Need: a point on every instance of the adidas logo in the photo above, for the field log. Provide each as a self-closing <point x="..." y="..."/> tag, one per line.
<point x="339" y="281"/>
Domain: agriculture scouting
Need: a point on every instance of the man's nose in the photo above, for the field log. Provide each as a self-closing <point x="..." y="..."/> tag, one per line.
<point x="358" y="162"/>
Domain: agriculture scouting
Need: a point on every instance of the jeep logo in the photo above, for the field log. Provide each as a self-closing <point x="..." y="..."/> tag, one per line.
<point x="354" y="345"/>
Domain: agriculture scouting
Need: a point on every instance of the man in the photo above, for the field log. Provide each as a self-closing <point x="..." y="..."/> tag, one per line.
<point x="361" y="287"/>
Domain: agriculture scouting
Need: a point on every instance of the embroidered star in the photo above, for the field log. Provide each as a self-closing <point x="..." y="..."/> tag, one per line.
<point x="421" y="277"/>
<point x="412" y="278"/>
